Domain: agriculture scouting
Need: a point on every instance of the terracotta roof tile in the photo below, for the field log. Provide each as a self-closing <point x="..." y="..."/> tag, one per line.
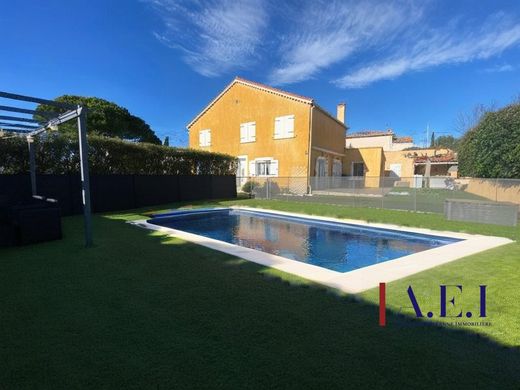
<point x="447" y="158"/>
<point x="275" y="90"/>
<point x="254" y="84"/>
<point x="403" y="140"/>
<point x="370" y="133"/>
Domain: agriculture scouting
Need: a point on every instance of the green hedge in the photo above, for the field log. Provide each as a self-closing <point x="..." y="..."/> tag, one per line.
<point x="59" y="154"/>
<point x="492" y="148"/>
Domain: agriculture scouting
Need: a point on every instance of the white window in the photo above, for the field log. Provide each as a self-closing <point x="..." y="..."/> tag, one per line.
<point x="263" y="167"/>
<point x="205" y="137"/>
<point x="284" y="127"/>
<point x="248" y="132"/>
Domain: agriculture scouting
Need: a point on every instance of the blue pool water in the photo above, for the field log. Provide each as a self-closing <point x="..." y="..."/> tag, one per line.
<point x="337" y="246"/>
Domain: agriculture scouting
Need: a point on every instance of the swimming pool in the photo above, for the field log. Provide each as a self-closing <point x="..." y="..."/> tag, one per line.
<point x="352" y="256"/>
<point x="335" y="246"/>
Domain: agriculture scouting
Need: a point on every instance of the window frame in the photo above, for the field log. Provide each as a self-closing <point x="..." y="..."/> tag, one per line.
<point x="269" y="164"/>
<point x="205" y="135"/>
<point x="284" y="133"/>
<point x="247" y="126"/>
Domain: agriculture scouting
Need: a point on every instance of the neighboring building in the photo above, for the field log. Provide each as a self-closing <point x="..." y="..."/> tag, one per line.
<point x="408" y="163"/>
<point x="272" y="132"/>
<point x="385" y="139"/>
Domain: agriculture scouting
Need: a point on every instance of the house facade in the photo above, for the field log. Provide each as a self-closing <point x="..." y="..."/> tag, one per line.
<point x="273" y="133"/>
<point x="278" y="134"/>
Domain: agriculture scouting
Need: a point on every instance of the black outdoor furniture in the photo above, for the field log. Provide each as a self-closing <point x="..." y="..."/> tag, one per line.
<point x="30" y="221"/>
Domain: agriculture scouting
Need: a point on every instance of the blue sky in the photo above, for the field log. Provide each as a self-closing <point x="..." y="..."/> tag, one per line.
<point x="402" y="64"/>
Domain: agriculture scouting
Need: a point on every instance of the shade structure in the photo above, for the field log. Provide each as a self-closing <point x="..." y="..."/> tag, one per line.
<point x="14" y="120"/>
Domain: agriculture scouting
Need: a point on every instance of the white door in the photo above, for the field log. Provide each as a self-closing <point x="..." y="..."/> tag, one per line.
<point x="395" y="170"/>
<point x="242" y="170"/>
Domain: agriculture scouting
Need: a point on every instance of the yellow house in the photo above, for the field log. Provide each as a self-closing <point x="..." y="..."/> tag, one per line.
<point x="272" y="132"/>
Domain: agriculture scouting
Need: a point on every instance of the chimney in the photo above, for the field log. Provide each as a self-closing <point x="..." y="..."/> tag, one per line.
<point x="340" y="114"/>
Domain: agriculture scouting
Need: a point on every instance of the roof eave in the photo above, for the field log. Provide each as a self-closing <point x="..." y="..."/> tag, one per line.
<point x="251" y="84"/>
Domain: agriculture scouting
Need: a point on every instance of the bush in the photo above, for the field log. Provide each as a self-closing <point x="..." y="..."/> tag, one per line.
<point x="59" y="154"/>
<point x="492" y="148"/>
<point x="260" y="190"/>
<point x="249" y="186"/>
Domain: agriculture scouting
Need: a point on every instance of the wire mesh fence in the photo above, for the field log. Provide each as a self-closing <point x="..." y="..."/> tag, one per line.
<point x="418" y="193"/>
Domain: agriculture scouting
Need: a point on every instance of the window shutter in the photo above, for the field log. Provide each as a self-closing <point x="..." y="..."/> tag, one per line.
<point x="273" y="167"/>
<point x="289" y="126"/>
<point x="252" y="168"/>
<point x="208" y="139"/>
<point x="252" y="131"/>
<point x="278" y="127"/>
<point x="201" y="138"/>
<point x="243" y="132"/>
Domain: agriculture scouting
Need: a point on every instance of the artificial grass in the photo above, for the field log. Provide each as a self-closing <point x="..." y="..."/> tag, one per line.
<point x="140" y="310"/>
<point x="422" y="200"/>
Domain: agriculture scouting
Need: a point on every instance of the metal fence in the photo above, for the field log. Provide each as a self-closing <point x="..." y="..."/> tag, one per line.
<point x="418" y="193"/>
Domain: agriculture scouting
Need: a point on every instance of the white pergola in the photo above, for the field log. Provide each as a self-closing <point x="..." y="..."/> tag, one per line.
<point x="19" y="124"/>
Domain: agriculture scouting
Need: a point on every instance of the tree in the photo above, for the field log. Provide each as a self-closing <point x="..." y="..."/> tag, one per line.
<point x="432" y="142"/>
<point x="105" y="118"/>
<point x="166" y="141"/>
<point x="491" y="149"/>
<point x="448" y="142"/>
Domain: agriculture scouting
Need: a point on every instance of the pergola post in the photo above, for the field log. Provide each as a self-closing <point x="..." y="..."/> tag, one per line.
<point x="32" y="164"/>
<point x="85" y="178"/>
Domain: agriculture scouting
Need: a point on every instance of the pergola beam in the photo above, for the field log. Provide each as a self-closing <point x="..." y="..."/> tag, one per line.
<point x="31" y="99"/>
<point x="47" y="114"/>
<point x="19" y="125"/>
<point x="18" y="119"/>
<point x="16" y="130"/>
<point x="67" y="116"/>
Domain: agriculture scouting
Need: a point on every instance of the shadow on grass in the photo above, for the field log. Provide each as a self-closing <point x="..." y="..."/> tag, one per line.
<point x="143" y="310"/>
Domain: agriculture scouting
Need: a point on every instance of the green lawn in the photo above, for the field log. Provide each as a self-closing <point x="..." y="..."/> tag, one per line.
<point x="141" y="310"/>
<point x="420" y="199"/>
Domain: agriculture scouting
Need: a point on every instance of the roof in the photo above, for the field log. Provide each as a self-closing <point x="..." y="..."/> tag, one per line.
<point x="370" y="133"/>
<point x="403" y="140"/>
<point x="447" y="158"/>
<point x="265" y="88"/>
<point x="272" y="89"/>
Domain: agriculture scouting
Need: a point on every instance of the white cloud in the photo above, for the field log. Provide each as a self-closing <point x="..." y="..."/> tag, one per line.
<point x="446" y="46"/>
<point x="215" y="36"/>
<point x="373" y="39"/>
<point x="499" y="68"/>
<point x="327" y="32"/>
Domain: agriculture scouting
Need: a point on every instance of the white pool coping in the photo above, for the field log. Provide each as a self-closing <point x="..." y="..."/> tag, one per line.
<point x="357" y="280"/>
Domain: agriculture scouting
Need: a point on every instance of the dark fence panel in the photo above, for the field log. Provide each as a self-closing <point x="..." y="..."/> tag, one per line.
<point x="156" y="189"/>
<point x="223" y="187"/>
<point x="15" y="186"/>
<point x="112" y="192"/>
<point x="58" y="187"/>
<point x="119" y="192"/>
<point x="195" y="187"/>
<point x="75" y="194"/>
